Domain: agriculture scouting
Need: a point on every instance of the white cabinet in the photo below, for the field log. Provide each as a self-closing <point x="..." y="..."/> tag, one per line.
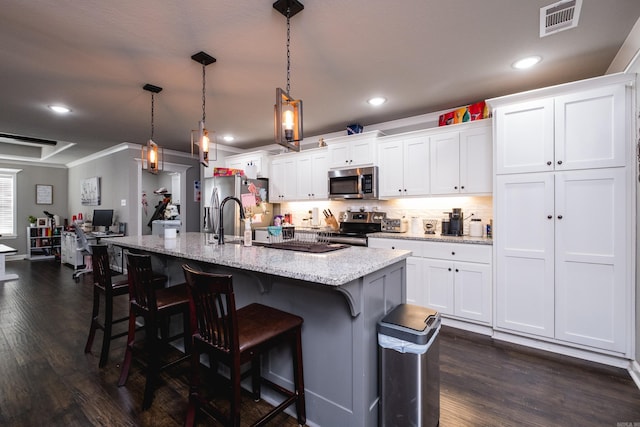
<point x="461" y="161"/>
<point x="43" y="242"/>
<point x="70" y="254"/>
<point x="561" y="256"/>
<point x="580" y="130"/>
<point x="564" y="264"/>
<point x="453" y="278"/>
<point x="282" y="184"/>
<point x="353" y="150"/>
<point x="258" y="158"/>
<point x="312" y="179"/>
<point x="403" y="166"/>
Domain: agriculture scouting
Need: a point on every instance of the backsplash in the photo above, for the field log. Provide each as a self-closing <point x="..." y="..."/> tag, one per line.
<point x="425" y="208"/>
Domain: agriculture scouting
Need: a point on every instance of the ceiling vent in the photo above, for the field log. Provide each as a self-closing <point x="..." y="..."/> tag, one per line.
<point x="559" y="16"/>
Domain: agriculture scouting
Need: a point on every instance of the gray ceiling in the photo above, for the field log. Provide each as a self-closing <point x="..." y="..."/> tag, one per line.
<point x="423" y="55"/>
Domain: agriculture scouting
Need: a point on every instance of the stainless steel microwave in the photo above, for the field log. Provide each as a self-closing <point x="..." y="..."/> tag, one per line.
<point x="355" y="183"/>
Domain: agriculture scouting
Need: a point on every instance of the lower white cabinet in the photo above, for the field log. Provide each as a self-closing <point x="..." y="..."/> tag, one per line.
<point x="453" y="278"/>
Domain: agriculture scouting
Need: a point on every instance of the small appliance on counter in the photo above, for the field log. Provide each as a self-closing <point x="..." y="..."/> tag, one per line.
<point x="429" y="226"/>
<point x="453" y="225"/>
<point x="394" y="225"/>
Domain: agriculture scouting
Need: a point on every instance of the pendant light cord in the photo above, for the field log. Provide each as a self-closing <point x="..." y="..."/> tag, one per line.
<point x="288" y="51"/>
<point x="203" y="92"/>
<point x="152" y="105"/>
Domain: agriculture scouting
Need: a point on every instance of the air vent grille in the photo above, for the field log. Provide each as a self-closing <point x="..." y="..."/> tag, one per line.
<point x="559" y="16"/>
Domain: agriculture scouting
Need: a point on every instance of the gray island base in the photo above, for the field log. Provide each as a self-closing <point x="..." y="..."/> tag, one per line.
<point x="341" y="295"/>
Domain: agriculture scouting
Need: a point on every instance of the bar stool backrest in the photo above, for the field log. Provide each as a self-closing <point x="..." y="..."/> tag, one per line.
<point x="213" y="310"/>
<point x="101" y="267"/>
<point x="141" y="286"/>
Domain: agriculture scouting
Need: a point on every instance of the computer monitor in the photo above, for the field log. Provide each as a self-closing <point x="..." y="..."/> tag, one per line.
<point x="102" y="218"/>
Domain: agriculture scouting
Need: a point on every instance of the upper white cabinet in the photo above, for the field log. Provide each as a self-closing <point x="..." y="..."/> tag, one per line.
<point x="282" y="183"/>
<point x="353" y="150"/>
<point x="258" y="158"/>
<point x="312" y="167"/>
<point x="580" y="130"/>
<point x="403" y="166"/>
<point x="460" y="161"/>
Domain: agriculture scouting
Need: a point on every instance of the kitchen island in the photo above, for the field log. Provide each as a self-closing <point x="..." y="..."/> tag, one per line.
<point x="340" y="294"/>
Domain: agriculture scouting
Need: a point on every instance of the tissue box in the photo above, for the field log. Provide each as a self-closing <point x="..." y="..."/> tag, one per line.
<point x="354" y="128"/>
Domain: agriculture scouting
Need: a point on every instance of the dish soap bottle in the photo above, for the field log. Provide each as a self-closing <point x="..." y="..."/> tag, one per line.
<point x="247" y="232"/>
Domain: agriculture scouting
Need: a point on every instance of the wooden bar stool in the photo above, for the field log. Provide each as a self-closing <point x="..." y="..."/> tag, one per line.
<point x="155" y="306"/>
<point x="235" y="337"/>
<point x="104" y="284"/>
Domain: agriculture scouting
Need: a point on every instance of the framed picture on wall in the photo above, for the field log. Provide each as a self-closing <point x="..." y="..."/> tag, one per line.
<point x="90" y="191"/>
<point x="44" y="194"/>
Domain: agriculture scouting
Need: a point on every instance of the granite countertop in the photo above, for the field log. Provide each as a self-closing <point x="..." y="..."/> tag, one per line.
<point x="334" y="268"/>
<point x="434" y="238"/>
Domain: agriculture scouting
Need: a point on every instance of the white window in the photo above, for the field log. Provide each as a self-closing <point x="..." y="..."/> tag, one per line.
<point x="8" y="202"/>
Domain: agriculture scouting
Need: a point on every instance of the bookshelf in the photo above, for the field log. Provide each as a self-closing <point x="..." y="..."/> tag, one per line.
<point x="43" y="242"/>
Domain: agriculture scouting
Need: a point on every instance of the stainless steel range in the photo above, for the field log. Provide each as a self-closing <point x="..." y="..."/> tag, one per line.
<point x="354" y="227"/>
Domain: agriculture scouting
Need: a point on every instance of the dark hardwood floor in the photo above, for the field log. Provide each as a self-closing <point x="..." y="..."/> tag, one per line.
<point x="47" y="380"/>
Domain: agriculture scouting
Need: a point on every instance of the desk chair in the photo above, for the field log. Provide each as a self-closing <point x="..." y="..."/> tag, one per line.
<point x="82" y="246"/>
<point x="155" y="306"/>
<point x="235" y="337"/>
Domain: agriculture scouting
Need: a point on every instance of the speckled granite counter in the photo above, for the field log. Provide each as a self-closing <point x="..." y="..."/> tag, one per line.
<point x="331" y="268"/>
<point x="341" y="295"/>
<point x="434" y="238"/>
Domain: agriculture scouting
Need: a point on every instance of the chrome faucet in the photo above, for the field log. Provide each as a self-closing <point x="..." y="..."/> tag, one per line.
<point x="221" y="227"/>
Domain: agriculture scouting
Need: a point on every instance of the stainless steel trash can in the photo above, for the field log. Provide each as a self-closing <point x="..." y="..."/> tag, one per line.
<point x="409" y="367"/>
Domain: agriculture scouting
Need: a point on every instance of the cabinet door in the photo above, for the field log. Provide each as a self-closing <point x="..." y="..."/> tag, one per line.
<point x="277" y="182"/>
<point x="476" y="161"/>
<point x="304" y="175"/>
<point x="524" y="137"/>
<point x="591" y="262"/>
<point x="415" y="166"/>
<point x="363" y="152"/>
<point x="524" y="240"/>
<point x="445" y="163"/>
<point x="391" y="181"/>
<point x="438" y="282"/>
<point x="590" y="129"/>
<point x="319" y="179"/>
<point x="339" y="155"/>
<point x="472" y="291"/>
<point x="415" y="285"/>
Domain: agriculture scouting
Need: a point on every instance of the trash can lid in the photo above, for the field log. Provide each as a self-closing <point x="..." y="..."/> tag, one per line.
<point x="410" y="322"/>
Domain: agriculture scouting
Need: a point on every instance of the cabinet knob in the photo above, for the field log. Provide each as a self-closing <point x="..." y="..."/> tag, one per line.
<point x="449" y="269"/>
<point x="559" y="216"/>
<point x="457" y="271"/>
<point x="405" y="190"/>
<point x="549" y="216"/>
<point x="393" y="247"/>
<point x="453" y="253"/>
<point x="462" y="187"/>
<point x="455" y="187"/>
<point x="400" y="190"/>
<point x="549" y="163"/>
<point x="559" y="162"/>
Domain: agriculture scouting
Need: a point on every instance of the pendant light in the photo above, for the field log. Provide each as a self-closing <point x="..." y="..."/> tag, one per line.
<point x="201" y="137"/>
<point x="288" y="111"/>
<point x="152" y="158"/>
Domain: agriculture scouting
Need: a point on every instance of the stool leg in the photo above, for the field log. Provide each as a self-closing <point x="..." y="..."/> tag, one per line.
<point x="298" y="377"/>
<point x="128" y="354"/>
<point x="94" y="320"/>
<point x="153" y="362"/>
<point x="106" y="337"/>
<point x="194" y="386"/>
<point x="255" y="378"/>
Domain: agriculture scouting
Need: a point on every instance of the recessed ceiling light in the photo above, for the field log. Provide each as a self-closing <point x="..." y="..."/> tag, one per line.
<point x="377" y="100"/>
<point x="228" y="138"/>
<point x="526" y="62"/>
<point x="61" y="109"/>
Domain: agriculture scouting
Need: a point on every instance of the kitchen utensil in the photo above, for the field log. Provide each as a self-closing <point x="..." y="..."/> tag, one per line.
<point x="429" y="226"/>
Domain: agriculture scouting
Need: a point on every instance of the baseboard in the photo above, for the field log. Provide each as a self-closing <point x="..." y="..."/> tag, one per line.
<point x="605" y="359"/>
<point x="467" y="326"/>
<point x="634" y="371"/>
<point x="16" y="257"/>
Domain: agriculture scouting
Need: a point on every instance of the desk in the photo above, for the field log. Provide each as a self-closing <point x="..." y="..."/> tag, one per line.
<point x="4" y="250"/>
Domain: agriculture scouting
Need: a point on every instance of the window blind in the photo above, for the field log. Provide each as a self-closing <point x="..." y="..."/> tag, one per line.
<point x="7" y="203"/>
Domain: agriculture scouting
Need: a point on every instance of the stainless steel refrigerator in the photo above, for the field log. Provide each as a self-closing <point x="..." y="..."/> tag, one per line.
<point x="220" y="187"/>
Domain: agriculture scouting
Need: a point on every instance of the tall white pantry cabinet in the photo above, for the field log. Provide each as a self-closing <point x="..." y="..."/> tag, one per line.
<point x="564" y="205"/>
